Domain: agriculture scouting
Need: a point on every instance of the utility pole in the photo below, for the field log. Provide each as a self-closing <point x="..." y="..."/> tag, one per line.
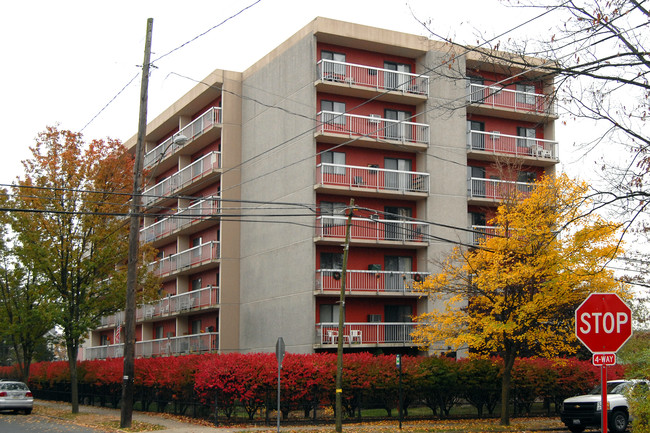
<point x="339" y="352"/>
<point x="126" y="410"/>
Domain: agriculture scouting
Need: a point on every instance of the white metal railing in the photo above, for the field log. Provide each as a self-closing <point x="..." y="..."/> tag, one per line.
<point x="207" y="207"/>
<point x="496" y="189"/>
<point x="195" y="256"/>
<point x="379" y="179"/>
<point x="352" y="125"/>
<point x="331" y="226"/>
<point x="376" y="78"/>
<point x="182" y="178"/>
<point x="480" y="233"/>
<point x="195" y="299"/>
<point x="517" y="100"/>
<point x="368" y="281"/>
<point x="195" y="128"/>
<point x="195" y="343"/>
<point x="112" y="320"/>
<point x="366" y="333"/>
<point x="512" y="145"/>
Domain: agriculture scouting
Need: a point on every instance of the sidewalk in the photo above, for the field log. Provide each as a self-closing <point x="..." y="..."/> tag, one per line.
<point x="104" y="414"/>
<point x="95" y="416"/>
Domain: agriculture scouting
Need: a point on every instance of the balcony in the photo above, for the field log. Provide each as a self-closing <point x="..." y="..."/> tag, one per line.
<point x="189" y="178"/>
<point x="331" y="229"/>
<point x="365" y="334"/>
<point x="512" y="104"/>
<point x="368" y="282"/>
<point x="186" y="260"/>
<point x="191" y="216"/>
<point x="188" y="344"/>
<point x="195" y="135"/>
<point x="112" y="320"/>
<point x="486" y="191"/>
<point x="184" y="302"/>
<point x="480" y="233"/>
<point x="370" y="181"/>
<point x="371" y="131"/>
<point x="369" y="82"/>
<point x="534" y="151"/>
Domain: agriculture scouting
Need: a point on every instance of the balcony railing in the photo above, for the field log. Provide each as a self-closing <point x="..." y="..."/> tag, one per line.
<point x="495" y="189"/>
<point x="511" y="145"/>
<point x="195" y="343"/>
<point x="378" y="179"/>
<point x="480" y="233"/>
<point x="194" y="129"/>
<point x="352" y="125"/>
<point x="112" y="320"/>
<point x="376" y="78"/>
<point x="499" y="97"/>
<point x="182" y="178"/>
<point x="196" y="299"/>
<point x="198" y="211"/>
<point x="330" y="226"/>
<point x="390" y="282"/>
<point x="192" y="257"/>
<point x="381" y="333"/>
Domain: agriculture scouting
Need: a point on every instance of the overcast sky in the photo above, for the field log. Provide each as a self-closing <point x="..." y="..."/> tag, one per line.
<point x="64" y="61"/>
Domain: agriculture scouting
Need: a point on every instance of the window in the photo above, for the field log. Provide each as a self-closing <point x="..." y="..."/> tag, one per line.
<point x="335" y="209"/>
<point x="196" y="284"/>
<point x="526" y="176"/>
<point x="396" y="129"/>
<point x="160" y="332"/>
<point x="530" y="135"/>
<point x="397" y="174"/>
<point x="103" y="340"/>
<point x="196" y="327"/>
<point x="331" y="70"/>
<point x="329" y="313"/>
<point x="401" y="230"/>
<point x="399" y="79"/>
<point x="476" y="139"/>
<point x="397" y="264"/>
<point x="333" y="158"/>
<point x="526" y="94"/>
<point x="475" y="89"/>
<point x="476" y="182"/>
<point x="331" y="260"/>
<point x="333" y="112"/>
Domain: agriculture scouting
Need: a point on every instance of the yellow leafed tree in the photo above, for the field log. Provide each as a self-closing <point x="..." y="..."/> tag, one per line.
<point x="518" y="290"/>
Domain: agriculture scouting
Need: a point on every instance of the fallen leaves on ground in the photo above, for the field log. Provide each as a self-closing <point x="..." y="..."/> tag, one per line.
<point x="104" y="421"/>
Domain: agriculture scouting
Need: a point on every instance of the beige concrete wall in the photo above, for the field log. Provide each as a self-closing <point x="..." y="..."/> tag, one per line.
<point x="229" y="268"/>
<point x="277" y="255"/>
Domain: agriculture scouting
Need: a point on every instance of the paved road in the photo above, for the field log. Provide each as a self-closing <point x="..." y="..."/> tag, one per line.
<point x="19" y="423"/>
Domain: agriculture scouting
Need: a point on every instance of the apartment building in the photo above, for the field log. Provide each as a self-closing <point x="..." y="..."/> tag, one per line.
<point x="250" y="177"/>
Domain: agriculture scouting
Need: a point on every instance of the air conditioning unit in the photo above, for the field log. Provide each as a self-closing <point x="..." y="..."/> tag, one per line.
<point x="375" y="118"/>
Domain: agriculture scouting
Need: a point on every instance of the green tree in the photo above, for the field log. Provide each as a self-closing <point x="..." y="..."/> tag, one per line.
<point x="70" y="230"/>
<point x="517" y="292"/>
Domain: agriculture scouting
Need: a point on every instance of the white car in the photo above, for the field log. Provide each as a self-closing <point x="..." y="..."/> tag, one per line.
<point x="585" y="411"/>
<point x="16" y="396"/>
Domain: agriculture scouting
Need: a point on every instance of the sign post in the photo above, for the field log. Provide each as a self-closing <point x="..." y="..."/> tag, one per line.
<point x="279" y="353"/>
<point x="398" y="362"/>
<point x="603" y="325"/>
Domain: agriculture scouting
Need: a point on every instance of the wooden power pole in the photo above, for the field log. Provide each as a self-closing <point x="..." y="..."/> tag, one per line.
<point x="339" y="352"/>
<point x="126" y="410"/>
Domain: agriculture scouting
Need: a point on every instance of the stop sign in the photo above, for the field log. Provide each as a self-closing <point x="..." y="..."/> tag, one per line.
<point x="603" y="322"/>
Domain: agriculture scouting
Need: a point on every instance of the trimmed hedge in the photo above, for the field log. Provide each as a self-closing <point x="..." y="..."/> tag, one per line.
<point x="249" y="381"/>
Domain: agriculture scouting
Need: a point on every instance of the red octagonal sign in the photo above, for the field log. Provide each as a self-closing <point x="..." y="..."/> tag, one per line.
<point x="603" y="322"/>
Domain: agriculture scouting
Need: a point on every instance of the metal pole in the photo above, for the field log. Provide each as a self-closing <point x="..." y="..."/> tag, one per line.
<point x="279" y="368"/>
<point x="339" y="352"/>
<point x="603" y="378"/>
<point x="399" y="367"/>
<point x="126" y="410"/>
